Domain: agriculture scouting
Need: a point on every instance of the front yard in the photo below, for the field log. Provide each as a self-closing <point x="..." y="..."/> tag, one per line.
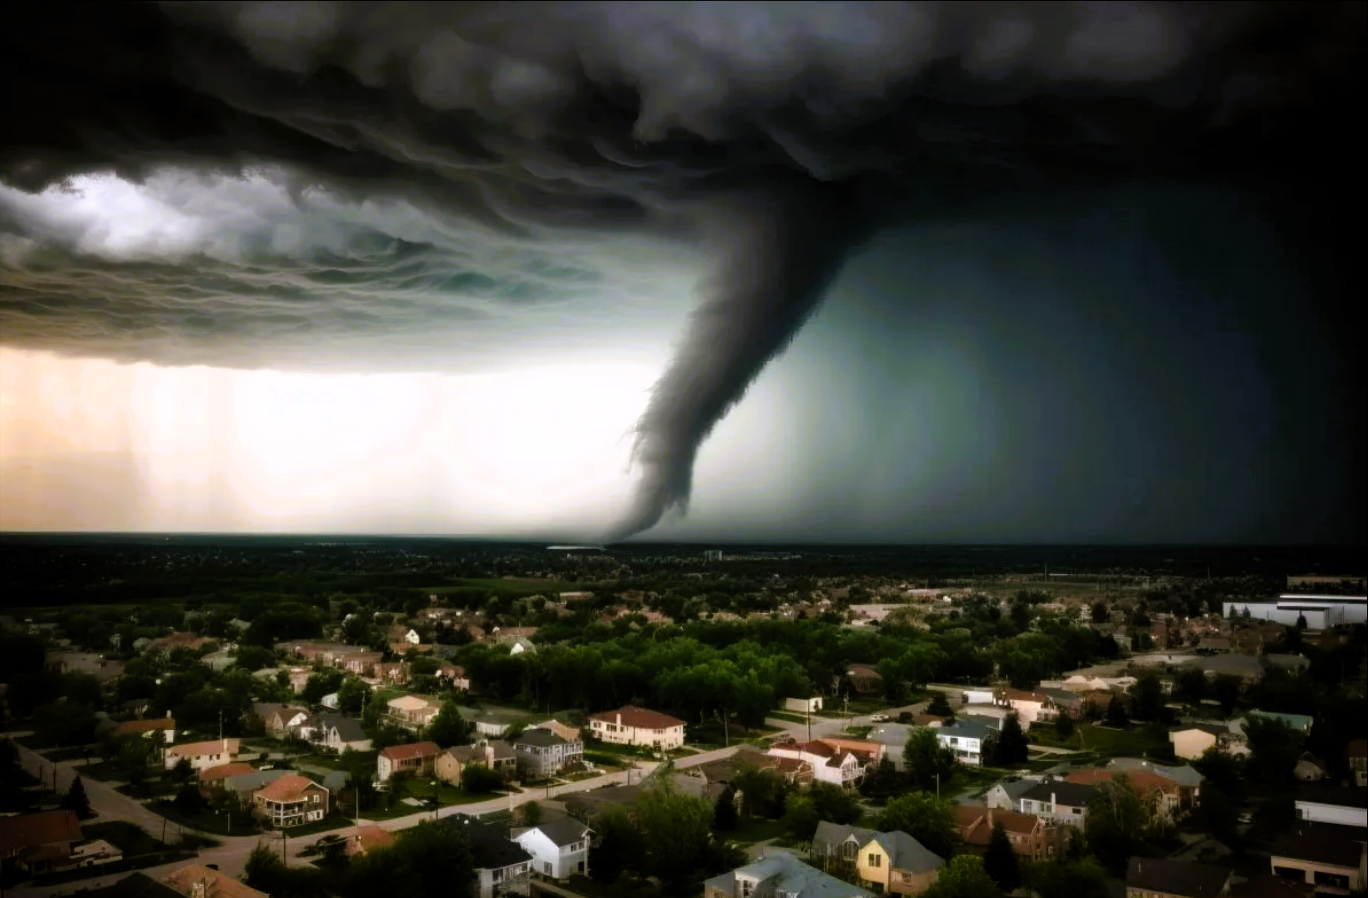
<point x="392" y="801"/>
<point x="1138" y="741"/>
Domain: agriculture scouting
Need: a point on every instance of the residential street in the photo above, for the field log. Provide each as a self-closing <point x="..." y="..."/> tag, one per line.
<point x="231" y="857"/>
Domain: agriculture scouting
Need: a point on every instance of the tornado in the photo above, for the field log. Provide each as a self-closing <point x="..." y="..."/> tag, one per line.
<point x="771" y="276"/>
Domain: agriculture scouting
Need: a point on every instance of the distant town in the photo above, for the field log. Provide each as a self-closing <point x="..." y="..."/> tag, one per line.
<point x="279" y="716"/>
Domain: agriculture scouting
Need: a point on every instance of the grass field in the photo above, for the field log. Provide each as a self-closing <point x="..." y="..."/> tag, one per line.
<point x="1137" y="742"/>
<point x="787" y="715"/>
<point x="514" y="586"/>
<point x="752" y="829"/>
<point x="129" y="838"/>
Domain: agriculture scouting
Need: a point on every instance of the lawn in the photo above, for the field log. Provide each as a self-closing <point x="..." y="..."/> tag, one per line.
<point x="334" y="762"/>
<point x="129" y="838"/>
<point x="1140" y="742"/>
<point x="787" y="715"/>
<point x="754" y="829"/>
<point x="857" y="732"/>
<point x="205" y="821"/>
<point x="424" y="788"/>
<point x="332" y="821"/>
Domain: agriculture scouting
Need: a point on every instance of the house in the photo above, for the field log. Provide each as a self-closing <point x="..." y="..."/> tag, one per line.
<point x="724" y="770"/>
<point x="1191" y="741"/>
<point x="865" y="679"/>
<point x="630" y="725"/>
<point x="588" y="805"/>
<point x="412" y="712"/>
<point x="368" y="838"/>
<point x="836" y="845"/>
<point x="1297" y="723"/>
<point x="1329" y="856"/>
<point x="202" y="754"/>
<point x="541" y="753"/>
<point x="196" y="881"/>
<point x="502" y="866"/>
<point x="134" y="885"/>
<point x="245" y="785"/>
<point x="1065" y="702"/>
<point x="1059" y="803"/>
<point x="898" y="863"/>
<point x="1163" y="878"/>
<point x="559" y="846"/>
<point x="1309" y="768"/>
<point x="292" y="800"/>
<point x="1357" y="756"/>
<point x="212" y="779"/>
<point x="285" y="721"/>
<point x="520" y="645"/>
<point x="780" y="875"/>
<point x="454" y="676"/>
<point x="391" y="672"/>
<point x="362" y="664"/>
<point x="828" y="763"/>
<point x="803" y="705"/>
<point x="1332" y="804"/>
<point x="966" y="738"/>
<point x="1146" y="782"/>
<point x="38" y="842"/>
<point x="1027" y="832"/>
<point x="1185" y="778"/>
<point x="418" y="757"/>
<point x="162" y="729"/>
<point x="1006" y="794"/>
<point x="452" y="762"/>
<point x="340" y="733"/>
<point x="1030" y="706"/>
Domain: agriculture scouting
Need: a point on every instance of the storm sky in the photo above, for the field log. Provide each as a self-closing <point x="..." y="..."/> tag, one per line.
<point x="889" y="272"/>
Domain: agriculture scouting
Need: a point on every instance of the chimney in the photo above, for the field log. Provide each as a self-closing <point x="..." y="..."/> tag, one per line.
<point x="619" y="718"/>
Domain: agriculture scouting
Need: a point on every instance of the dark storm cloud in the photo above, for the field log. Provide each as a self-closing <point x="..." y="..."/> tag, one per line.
<point x="775" y="137"/>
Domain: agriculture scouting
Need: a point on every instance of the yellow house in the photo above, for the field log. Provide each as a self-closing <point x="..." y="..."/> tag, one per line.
<point x="1189" y="742"/>
<point x="897" y="864"/>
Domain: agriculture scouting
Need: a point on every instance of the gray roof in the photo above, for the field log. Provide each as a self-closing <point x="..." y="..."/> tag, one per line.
<point x="536" y="737"/>
<point x="1015" y="788"/>
<point x="891" y="733"/>
<point x="906" y="853"/>
<point x="966" y="729"/>
<point x="348" y="728"/>
<point x="992" y="723"/>
<point x="1061" y="696"/>
<point x="835" y="833"/>
<point x="250" y="782"/>
<point x="1074" y="795"/>
<point x="561" y="831"/>
<point x="786" y="873"/>
<point x="1183" y="776"/>
<point x="502" y="750"/>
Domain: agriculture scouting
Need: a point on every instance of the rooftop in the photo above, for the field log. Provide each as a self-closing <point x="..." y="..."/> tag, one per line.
<point x="1176" y="877"/>
<point x="639" y="718"/>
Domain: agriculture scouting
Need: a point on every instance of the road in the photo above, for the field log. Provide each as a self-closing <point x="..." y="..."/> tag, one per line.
<point x="231" y="856"/>
<point x="822" y="727"/>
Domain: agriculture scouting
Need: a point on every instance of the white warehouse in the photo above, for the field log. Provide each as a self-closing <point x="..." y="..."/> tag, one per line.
<point x="1321" y="612"/>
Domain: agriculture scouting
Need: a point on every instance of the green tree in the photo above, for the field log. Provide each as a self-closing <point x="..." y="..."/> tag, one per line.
<point x="449" y="728"/>
<point x="925" y="818"/>
<point x="928" y="765"/>
<point x="264" y="868"/>
<point x="801" y="818"/>
<point x="1064" y="725"/>
<point x="677" y="830"/>
<point x="531" y="814"/>
<point x="1011" y="747"/>
<point x="1222" y="770"/>
<point x="321" y="683"/>
<point x="939" y="706"/>
<point x="763" y="792"/>
<point x="428" y="859"/>
<point x="76" y="799"/>
<point x="883" y="781"/>
<point x="1192" y="682"/>
<point x="1301" y="622"/>
<point x="1148" y="695"/>
<point x="620" y="844"/>
<point x="1274" y="748"/>
<point x="1117" y="820"/>
<point x="1099" y="613"/>
<point x="253" y="657"/>
<point x="352" y="695"/>
<point x="134" y="755"/>
<point x="1116" y="713"/>
<point x="183" y="771"/>
<point x="188" y="800"/>
<point x="963" y="877"/>
<point x="835" y="804"/>
<point x="1078" y="878"/>
<point x="1000" y="861"/>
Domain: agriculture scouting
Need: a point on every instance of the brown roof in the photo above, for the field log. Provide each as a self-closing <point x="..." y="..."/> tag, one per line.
<point x="223" y="771"/>
<point x="1143" y="780"/>
<point x="640" y="718"/>
<point x="288" y="788"/>
<point x="410" y="751"/>
<point x="33" y="830"/>
<point x="1358" y="748"/>
<point x="194" y="749"/>
<point x="220" y="885"/>
<point x="369" y="838"/>
<point x="128" y="727"/>
<point x="975" y="826"/>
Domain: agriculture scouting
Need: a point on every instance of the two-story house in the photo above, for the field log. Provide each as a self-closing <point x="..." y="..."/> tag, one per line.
<point x="340" y="733"/>
<point x="780" y="876"/>
<point x="1031" y="706"/>
<point x="541" y="753"/>
<point x="1331" y="858"/>
<point x="835" y="846"/>
<point x="292" y="800"/>
<point x="1006" y="794"/>
<point x="1059" y="803"/>
<point x="1148" y="877"/>
<point x="502" y="866"/>
<point x="966" y="739"/>
<point x="559" y="846"/>
<point x="1146" y="782"/>
<point x="202" y="754"/>
<point x="898" y="864"/>
<point x="630" y="725"/>
<point x="285" y="721"/>
<point x="1192" y="740"/>
<point x="1027" y="833"/>
<point x="416" y="757"/>
<point x="412" y="712"/>
<point x="828" y="764"/>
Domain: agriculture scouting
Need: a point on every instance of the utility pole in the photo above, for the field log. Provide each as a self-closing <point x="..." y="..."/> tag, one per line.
<point x="809" y="719"/>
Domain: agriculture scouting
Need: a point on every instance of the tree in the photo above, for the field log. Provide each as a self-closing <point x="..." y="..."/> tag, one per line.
<point x="677" y="831"/>
<point x="1149" y="698"/>
<point x="620" y="844"/>
<point x="1222" y="770"/>
<point x="1116" y="713"/>
<point x="253" y="657"/>
<point x="531" y="814"/>
<point x="1081" y="878"/>
<point x="183" y="771"/>
<point x="1301" y="622"/>
<point x="801" y="818"/>
<point x="939" y="706"/>
<point x="925" y="818"/>
<point x="428" y="859"/>
<point x="927" y="764"/>
<point x="1000" y="861"/>
<point x="449" y="728"/>
<point x="883" y="781"/>
<point x="76" y="799"/>
<point x="134" y="754"/>
<point x="352" y="695"/>
<point x="1064" y="725"/>
<point x="321" y="683"/>
<point x="763" y="792"/>
<point x="1274" y="748"/>
<point x="1118" y="818"/>
<point x="724" y="811"/>
<point x="963" y="877"/>
<point x="264" y="868"/>
<point x="477" y="779"/>
<point x="1193" y="683"/>
<point x="1010" y="747"/>
<point x="188" y="800"/>
<point x="1226" y="689"/>
<point x="1099" y="613"/>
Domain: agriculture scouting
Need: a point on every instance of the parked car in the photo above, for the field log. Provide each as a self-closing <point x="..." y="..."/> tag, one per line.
<point x="879" y="718"/>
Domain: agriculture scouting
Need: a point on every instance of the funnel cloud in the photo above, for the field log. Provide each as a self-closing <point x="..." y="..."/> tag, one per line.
<point x="440" y="180"/>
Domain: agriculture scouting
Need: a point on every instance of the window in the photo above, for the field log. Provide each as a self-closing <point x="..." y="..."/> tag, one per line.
<point x="747" y="887"/>
<point x="849" y="850"/>
<point x="873" y="860"/>
<point x="546" y="868"/>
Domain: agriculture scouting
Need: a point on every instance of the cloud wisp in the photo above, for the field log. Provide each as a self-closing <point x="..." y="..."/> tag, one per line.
<point x="310" y="180"/>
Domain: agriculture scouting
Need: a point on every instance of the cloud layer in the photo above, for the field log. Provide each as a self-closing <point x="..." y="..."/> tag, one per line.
<point x="315" y="178"/>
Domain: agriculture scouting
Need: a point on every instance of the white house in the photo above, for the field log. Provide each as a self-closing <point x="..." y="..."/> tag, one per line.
<point x="979" y="696"/>
<point x="803" y="705"/>
<point x="1031" y="706"/>
<point x="630" y="725"/>
<point x="1058" y="802"/>
<point x="202" y="755"/>
<point x="966" y="739"/>
<point x="501" y="865"/>
<point x="559" y="846"/>
<point x="829" y="765"/>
